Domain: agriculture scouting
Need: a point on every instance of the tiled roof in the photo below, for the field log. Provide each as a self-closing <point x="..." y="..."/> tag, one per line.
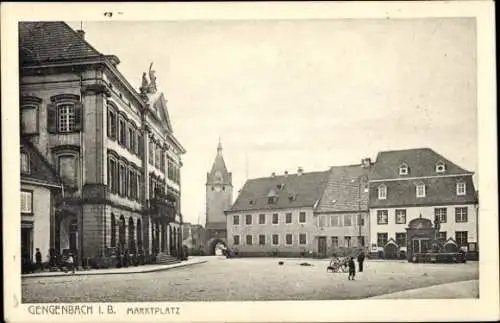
<point x="420" y="161"/>
<point x="41" y="170"/>
<point x="51" y="41"/>
<point x="347" y="185"/>
<point x="292" y="191"/>
<point x="439" y="191"/>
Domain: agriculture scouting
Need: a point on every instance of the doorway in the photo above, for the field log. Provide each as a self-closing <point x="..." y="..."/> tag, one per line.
<point x="322" y="247"/>
<point x="420" y="245"/>
<point x="27" y="244"/>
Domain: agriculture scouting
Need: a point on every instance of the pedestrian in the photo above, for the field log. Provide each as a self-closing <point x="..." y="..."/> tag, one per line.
<point x="71" y="262"/>
<point x="352" y="268"/>
<point x="38" y="259"/>
<point x="361" y="258"/>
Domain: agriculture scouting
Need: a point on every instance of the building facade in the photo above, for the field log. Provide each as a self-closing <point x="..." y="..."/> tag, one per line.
<point x="342" y="213"/>
<point x="275" y="215"/>
<point x="112" y="146"/>
<point x="219" y="197"/>
<point x="40" y="193"/>
<point x="419" y="183"/>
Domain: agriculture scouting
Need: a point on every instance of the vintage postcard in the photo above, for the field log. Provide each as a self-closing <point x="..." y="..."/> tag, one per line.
<point x="271" y="162"/>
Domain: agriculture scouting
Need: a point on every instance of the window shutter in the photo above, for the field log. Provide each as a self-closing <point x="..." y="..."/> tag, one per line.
<point x="78" y="116"/>
<point x="116" y="178"/>
<point x="51" y="118"/>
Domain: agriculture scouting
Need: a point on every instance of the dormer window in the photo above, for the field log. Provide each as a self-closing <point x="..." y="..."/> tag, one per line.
<point x="272" y="199"/>
<point x="461" y="188"/>
<point x="440" y="167"/>
<point x="382" y="192"/>
<point x="420" y="190"/>
<point x="403" y="169"/>
<point x="280" y="186"/>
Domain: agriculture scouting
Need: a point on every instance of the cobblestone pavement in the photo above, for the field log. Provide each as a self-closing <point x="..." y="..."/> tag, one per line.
<point x="247" y="279"/>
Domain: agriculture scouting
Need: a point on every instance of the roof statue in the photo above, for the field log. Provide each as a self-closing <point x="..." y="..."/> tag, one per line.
<point x="149" y="86"/>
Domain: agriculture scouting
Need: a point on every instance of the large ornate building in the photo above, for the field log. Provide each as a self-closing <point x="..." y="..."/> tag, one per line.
<point x="112" y="146"/>
<point x="219" y="197"/>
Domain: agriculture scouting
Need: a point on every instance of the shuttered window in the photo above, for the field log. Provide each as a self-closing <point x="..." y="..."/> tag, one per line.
<point x="64" y="114"/>
<point x="27" y="202"/>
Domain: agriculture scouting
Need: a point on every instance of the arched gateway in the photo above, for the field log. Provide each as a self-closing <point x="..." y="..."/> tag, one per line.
<point x="216" y="246"/>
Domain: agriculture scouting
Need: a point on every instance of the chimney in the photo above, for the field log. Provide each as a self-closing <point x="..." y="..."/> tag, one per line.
<point x="300" y="171"/>
<point x="81" y="33"/>
<point x="366" y="162"/>
<point x="286" y="173"/>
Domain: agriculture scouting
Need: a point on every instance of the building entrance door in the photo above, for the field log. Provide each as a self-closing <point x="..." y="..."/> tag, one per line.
<point x="26" y="243"/>
<point x="322" y="247"/>
<point x="421" y="245"/>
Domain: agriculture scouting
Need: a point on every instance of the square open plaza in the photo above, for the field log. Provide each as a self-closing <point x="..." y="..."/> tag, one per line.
<point x="101" y="172"/>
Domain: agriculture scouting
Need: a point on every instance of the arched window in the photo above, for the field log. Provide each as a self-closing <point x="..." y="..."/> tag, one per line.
<point x="131" y="231"/>
<point x="382" y="192"/>
<point x="113" y="230"/>
<point x="121" y="232"/>
<point x="139" y="233"/>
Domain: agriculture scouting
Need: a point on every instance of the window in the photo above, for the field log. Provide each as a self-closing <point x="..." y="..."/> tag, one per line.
<point x="440" y="212"/>
<point x="288" y="218"/>
<point x="262" y="239"/>
<point x="276" y="239"/>
<point x="151" y="151"/>
<point x="67" y="169"/>
<point x="403" y="169"/>
<point x="140" y="145"/>
<point x="302" y="217"/>
<point x="249" y="240"/>
<point x="262" y="219"/>
<point x="302" y="238"/>
<point x="381" y="239"/>
<point x="112" y="175"/>
<point x="25" y="163"/>
<point x="122" y="132"/>
<point x="347" y="241"/>
<point x="382" y="217"/>
<point x="236" y="219"/>
<point x="158" y="156"/>
<point x="122" y="180"/>
<point x="461" y="188"/>
<point x="442" y="236"/>
<point x="382" y="192"/>
<point x="236" y="240"/>
<point x="322" y="220"/>
<point x="440" y="168"/>
<point x="131" y="139"/>
<point x="335" y="242"/>
<point x="113" y="230"/>
<point x="131" y="187"/>
<point x="420" y="190"/>
<point x="112" y="126"/>
<point x="347" y="220"/>
<point x="26" y="202"/>
<point x="275" y="218"/>
<point x="361" y="240"/>
<point x="289" y="239"/>
<point x="400" y="216"/>
<point x="335" y="221"/>
<point x="271" y="200"/>
<point x="460" y="214"/>
<point x="66" y="113"/>
<point x="401" y="239"/>
<point x="361" y="220"/>
<point x="29" y="119"/>
<point x="461" y="238"/>
<point x="248" y="219"/>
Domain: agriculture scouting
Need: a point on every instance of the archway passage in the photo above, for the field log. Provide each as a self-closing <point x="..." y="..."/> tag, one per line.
<point x="216" y="247"/>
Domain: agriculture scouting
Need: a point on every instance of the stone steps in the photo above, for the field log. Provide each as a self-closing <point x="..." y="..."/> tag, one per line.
<point x="163" y="258"/>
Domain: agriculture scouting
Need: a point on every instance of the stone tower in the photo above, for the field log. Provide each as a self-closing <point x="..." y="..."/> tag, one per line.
<point x="219" y="197"/>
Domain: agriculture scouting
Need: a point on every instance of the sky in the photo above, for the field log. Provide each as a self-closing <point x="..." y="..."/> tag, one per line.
<point x="285" y="94"/>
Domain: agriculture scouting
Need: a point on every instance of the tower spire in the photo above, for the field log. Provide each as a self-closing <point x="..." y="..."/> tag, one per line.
<point x="219" y="146"/>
